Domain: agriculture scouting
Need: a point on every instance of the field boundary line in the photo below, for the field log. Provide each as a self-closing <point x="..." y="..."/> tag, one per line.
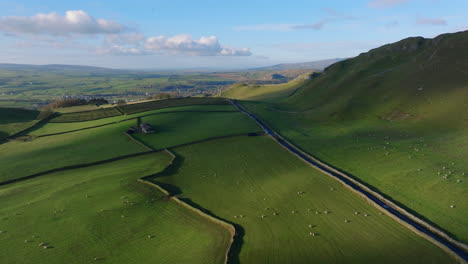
<point x="450" y="245"/>
<point x="141" y="143"/>
<point x="229" y="227"/>
<point x="76" y="166"/>
<point x="150" y="150"/>
<point x="123" y="120"/>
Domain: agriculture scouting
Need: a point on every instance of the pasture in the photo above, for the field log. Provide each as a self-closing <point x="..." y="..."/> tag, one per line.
<point x="180" y="128"/>
<point x="101" y="214"/>
<point x="52" y="128"/>
<point x="86" y="115"/>
<point x="26" y="156"/>
<point x="166" y="103"/>
<point x="422" y="167"/>
<point x="13" y="120"/>
<point x="289" y="212"/>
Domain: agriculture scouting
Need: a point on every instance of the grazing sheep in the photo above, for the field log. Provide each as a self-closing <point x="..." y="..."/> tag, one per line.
<point x="346" y="221"/>
<point x="452" y="206"/>
<point x="235" y="216"/>
<point x="356" y="213"/>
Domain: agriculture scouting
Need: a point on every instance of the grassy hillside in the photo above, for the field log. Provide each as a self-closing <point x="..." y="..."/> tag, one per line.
<point x="103" y="212"/>
<point x="180" y="128"/>
<point x="23" y="158"/>
<point x="13" y="120"/>
<point x="264" y="92"/>
<point x="394" y="117"/>
<point x="50" y="128"/>
<point x="274" y="197"/>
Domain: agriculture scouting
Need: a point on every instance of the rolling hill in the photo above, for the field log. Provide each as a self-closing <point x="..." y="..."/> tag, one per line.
<point x="395" y="118"/>
<point x="316" y="65"/>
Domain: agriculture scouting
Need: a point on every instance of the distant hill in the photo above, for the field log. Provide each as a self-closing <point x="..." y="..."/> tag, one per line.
<point x="60" y="68"/>
<point x="316" y="65"/>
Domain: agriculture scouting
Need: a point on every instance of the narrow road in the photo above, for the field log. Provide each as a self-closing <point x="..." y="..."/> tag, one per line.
<point x="451" y="246"/>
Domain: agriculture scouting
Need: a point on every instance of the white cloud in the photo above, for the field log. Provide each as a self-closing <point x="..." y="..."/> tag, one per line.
<point x="185" y="44"/>
<point x="76" y="27"/>
<point x="73" y="22"/>
<point x="385" y="3"/>
<point x="281" y="27"/>
<point x="431" y="21"/>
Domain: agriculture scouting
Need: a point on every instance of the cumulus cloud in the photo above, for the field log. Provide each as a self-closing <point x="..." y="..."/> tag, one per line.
<point x="185" y="44"/>
<point x="431" y="21"/>
<point x="385" y="3"/>
<point x="73" y="22"/>
<point x="77" y="26"/>
<point x="281" y="27"/>
<point x="137" y="44"/>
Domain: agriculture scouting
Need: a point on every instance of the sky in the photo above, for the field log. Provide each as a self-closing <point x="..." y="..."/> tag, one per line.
<point x="215" y="34"/>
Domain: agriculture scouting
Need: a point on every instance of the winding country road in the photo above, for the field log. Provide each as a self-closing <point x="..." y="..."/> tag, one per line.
<point x="418" y="225"/>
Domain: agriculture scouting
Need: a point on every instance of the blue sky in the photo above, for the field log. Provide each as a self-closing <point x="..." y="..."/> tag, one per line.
<point x="214" y="34"/>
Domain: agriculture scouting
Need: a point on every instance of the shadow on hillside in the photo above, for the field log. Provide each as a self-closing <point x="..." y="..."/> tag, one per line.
<point x="173" y="169"/>
<point x="233" y="255"/>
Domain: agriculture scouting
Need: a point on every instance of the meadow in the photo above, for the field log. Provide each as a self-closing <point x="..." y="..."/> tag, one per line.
<point x="26" y="156"/>
<point x="13" y="120"/>
<point x="423" y="169"/>
<point x="51" y="128"/>
<point x="283" y="209"/>
<point x="180" y="128"/>
<point x="103" y="214"/>
<point x="158" y="104"/>
<point x="288" y="211"/>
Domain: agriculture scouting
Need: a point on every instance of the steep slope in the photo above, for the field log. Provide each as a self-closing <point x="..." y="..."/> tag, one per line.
<point x="395" y="118"/>
<point x="265" y="92"/>
<point x="414" y="79"/>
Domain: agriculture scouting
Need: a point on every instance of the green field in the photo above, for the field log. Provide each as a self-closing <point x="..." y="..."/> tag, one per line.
<point x="257" y="177"/>
<point x="86" y="115"/>
<point x="180" y="128"/>
<point x="158" y="104"/>
<point x="41" y="154"/>
<point x="13" y="120"/>
<point x="392" y="119"/>
<point x="51" y="128"/>
<point x="264" y="92"/>
<point x="78" y="215"/>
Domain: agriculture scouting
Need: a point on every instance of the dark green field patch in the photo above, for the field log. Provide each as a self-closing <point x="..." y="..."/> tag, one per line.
<point x="13" y="120"/>
<point x="158" y="104"/>
<point x="86" y="115"/>
<point x="180" y="128"/>
<point x="25" y="158"/>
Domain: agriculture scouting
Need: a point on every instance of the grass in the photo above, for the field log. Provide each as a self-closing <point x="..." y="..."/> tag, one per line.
<point x="253" y="176"/>
<point x="41" y="154"/>
<point x="51" y="128"/>
<point x="393" y="118"/>
<point x="264" y="92"/>
<point x="180" y="128"/>
<point x="400" y="161"/>
<point x="158" y="104"/>
<point x="13" y="120"/>
<point x="78" y="214"/>
<point x="86" y="115"/>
